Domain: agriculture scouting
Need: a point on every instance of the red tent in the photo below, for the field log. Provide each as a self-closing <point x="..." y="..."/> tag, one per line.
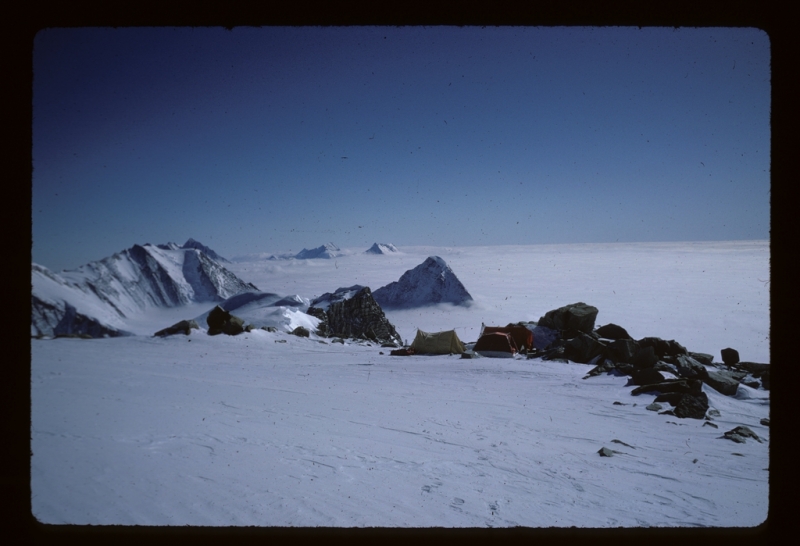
<point x="523" y="338"/>
<point x="498" y="344"/>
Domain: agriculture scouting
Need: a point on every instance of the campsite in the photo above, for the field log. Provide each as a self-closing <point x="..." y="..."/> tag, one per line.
<point x="268" y="428"/>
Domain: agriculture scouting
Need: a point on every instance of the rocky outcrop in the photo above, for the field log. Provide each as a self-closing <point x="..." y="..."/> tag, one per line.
<point x="740" y="435"/>
<point x="221" y="321"/>
<point x="429" y="283"/>
<point x="576" y="316"/>
<point x="183" y="327"/>
<point x="358" y="316"/>
<point x="612" y="331"/>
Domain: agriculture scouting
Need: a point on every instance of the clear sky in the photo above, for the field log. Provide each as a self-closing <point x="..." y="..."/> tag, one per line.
<point x="274" y="139"/>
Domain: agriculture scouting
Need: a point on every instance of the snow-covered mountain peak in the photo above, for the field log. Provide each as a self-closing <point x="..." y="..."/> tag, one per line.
<point x="430" y="282"/>
<point x="191" y="243"/>
<point x="328" y="250"/>
<point x="381" y="248"/>
<point x="102" y="293"/>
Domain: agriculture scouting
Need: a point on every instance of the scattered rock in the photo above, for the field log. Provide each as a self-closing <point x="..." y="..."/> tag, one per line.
<point x="710" y="424"/>
<point x="729" y="356"/>
<point x="612" y="331"/>
<point x="605" y="452"/>
<point x="655" y="406"/>
<point x="269" y="328"/>
<point x="740" y="434"/>
<point x="182" y="327"/>
<point x="765" y="421"/>
<point x="280" y="341"/>
<point x="623" y="443"/>
<point x="663" y="348"/>
<point x="221" y="321"/>
<point x="300" y="331"/>
<point x="713" y="412"/>
<point x="622" y="350"/>
<point x="617" y="403"/>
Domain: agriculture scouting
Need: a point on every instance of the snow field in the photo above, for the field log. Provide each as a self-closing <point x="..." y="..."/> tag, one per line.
<point x="249" y="430"/>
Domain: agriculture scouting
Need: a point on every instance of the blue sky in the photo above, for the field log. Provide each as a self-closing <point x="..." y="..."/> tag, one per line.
<point x="275" y="139"/>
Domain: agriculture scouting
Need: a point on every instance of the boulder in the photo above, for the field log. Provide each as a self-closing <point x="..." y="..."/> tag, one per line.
<point x="740" y="434"/>
<point x="300" y="331"/>
<point x="692" y="406"/>
<point x="646" y="376"/>
<point x="221" y="321"/>
<point x="702" y="358"/>
<point x="358" y="317"/>
<point x="182" y="327"/>
<point x="654" y="407"/>
<point x="724" y="382"/>
<point x="645" y="357"/>
<point x="690" y="386"/>
<point x="583" y="348"/>
<point x="622" y="350"/>
<point x="578" y="316"/>
<point x="612" y="331"/>
<point x="729" y="356"/>
<point x="663" y="347"/>
<point x="753" y="367"/>
<point x="690" y="368"/>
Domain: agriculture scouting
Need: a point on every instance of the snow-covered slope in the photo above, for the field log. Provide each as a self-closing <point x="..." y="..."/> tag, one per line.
<point x="341" y="294"/>
<point x="101" y="294"/>
<point x="191" y="243"/>
<point x="266" y="309"/>
<point x="381" y="248"/>
<point x="430" y="282"/>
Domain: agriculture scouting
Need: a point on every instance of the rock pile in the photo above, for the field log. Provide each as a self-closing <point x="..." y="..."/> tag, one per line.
<point x="221" y="321"/>
<point x="612" y="350"/>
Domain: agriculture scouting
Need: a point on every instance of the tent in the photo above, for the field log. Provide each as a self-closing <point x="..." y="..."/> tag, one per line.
<point x="437" y="343"/>
<point x="496" y="344"/>
<point x="523" y="338"/>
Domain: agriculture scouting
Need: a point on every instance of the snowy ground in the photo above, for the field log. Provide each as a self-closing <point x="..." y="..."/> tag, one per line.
<point x="269" y="429"/>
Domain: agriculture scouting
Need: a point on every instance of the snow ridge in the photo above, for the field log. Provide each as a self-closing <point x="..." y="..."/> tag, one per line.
<point x="191" y="243"/>
<point x="109" y="290"/>
<point x="429" y="283"/>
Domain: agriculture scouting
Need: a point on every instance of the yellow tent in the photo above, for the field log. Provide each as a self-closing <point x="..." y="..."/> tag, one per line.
<point x="437" y="343"/>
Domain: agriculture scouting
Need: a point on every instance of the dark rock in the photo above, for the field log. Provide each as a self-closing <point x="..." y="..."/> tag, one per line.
<point x="605" y="452"/>
<point x="646" y="376"/>
<point x="583" y="348"/>
<point x="753" y="367"/>
<point x="269" y="328"/>
<point x="554" y="353"/>
<point x="691" y="386"/>
<point x="622" y="350"/>
<point x="709" y="424"/>
<point x="753" y="384"/>
<point x="618" y="403"/>
<point x="765" y="380"/>
<point x="693" y="406"/>
<point x="606" y="366"/>
<point x="723" y="382"/>
<point x="765" y="421"/>
<point x="663" y="347"/>
<point x="358" y="317"/>
<point x="729" y="356"/>
<point x="645" y="357"/>
<point x="662" y="366"/>
<point x="713" y="413"/>
<point x="182" y="327"/>
<point x="612" y="331"/>
<point x="655" y="406"/>
<point x="740" y="434"/>
<point x="671" y="398"/>
<point x="690" y="368"/>
<point x="221" y="321"/>
<point x="300" y="331"/>
<point x="702" y="358"/>
<point x="577" y="316"/>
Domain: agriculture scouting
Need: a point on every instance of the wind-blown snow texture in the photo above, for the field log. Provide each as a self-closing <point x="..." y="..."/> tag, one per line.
<point x="430" y="282"/>
<point x="112" y="289"/>
<point x="271" y="429"/>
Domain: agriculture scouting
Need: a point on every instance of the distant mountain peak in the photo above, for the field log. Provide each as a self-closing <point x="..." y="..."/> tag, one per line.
<point x="381" y="248"/>
<point x="429" y="283"/>
<point x="328" y="250"/>
<point x="192" y="243"/>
